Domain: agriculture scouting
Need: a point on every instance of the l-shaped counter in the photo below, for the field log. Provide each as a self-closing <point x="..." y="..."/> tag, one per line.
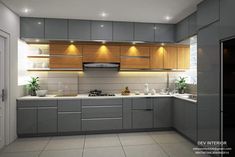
<point x="81" y="114"/>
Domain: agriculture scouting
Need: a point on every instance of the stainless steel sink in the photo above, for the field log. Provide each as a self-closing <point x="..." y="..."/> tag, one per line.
<point x="189" y="96"/>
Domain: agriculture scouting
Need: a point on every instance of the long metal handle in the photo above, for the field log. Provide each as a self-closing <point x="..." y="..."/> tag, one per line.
<point x="3" y="95"/>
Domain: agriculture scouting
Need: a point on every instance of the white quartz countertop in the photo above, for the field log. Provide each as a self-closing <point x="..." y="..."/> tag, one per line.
<point x="85" y="96"/>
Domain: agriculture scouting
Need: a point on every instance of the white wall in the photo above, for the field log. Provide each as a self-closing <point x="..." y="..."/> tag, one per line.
<point x="9" y="23"/>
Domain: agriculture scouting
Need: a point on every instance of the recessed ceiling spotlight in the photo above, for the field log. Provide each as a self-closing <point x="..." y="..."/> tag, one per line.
<point x="37" y="40"/>
<point x="104" y="14"/>
<point x="162" y="44"/>
<point x="167" y="18"/>
<point x="103" y="42"/>
<point x="39" y="23"/>
<point x="101" y="26"/>
<point x="133" y="43"/>
<point x="71" y="41"/>
<point x="26" y="10"/>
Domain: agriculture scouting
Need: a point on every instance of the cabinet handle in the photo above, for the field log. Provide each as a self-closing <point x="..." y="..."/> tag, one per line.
<point x="28" y="108"/>
<point x="148" y="109"/>
<point x="41" y="108"/>
<point x="69" y="112"/>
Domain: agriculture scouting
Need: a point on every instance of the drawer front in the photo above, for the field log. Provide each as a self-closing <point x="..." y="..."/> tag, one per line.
<point x="142" y="103"/>
<point x="69" y="105"/>
<point x="102" y="102"/>
<point x="102" y="124"/>
<point x="26" y="103"/>
<point x="69" y="121"/>
<point x="108" y="111"/>
<point x="46" y="103"/>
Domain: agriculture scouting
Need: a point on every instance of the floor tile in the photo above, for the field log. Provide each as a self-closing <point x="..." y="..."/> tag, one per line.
<point x="62" y="153"/>
<point x="144" y="151"/>
<point x="104" y="140"/>
<point x="104" y="152"/>
<point x="167" y="137"/>
<point x="27" y="144"/>
<point x="66" y="142"/>
<point x="20" y="154"/>
<point x="135" y="139"/>
<point x="181" y="149"/>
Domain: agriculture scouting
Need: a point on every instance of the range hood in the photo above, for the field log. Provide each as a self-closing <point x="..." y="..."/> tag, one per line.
<point x="101" y="65"/>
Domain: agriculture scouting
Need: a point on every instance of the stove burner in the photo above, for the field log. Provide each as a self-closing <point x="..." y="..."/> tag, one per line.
<point x="95" y="93"/>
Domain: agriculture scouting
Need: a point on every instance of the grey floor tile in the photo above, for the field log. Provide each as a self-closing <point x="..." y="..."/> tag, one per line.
<point x="27" y="144"/>
<point x="62" y="153"/>
<point x="104" y="152"/>
<point x="167" y="137"/>
<point x="104" y="140"/>
<point x="144" y="151"/>
<point x="66" y="142"/>
<point x="182" y="149"/>
<point x="135" y="139"/>
<point x="20" y="154"/>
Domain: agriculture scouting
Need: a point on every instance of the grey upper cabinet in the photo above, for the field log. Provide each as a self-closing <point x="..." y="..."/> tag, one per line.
<point x="164" y="33"/>
<point x="209" y="83"/>
<point x="192" y="23"/>
<point x="144" y="32"/>
<point x="79" y="30"/>
<point x="123" y="31"/>
<point x="163" y="112"/>
<point x="56" y="29"/>
<point x="227" y="20"/>
<point x="207" y="13"/>
<point x="182" y="30"/>
<point x="32" y="28"/>
<point x="101" y="30"/>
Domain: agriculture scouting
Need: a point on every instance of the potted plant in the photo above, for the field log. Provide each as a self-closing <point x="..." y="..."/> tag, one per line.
<point x="33" y="86"/>
<point x="181" y="85"/>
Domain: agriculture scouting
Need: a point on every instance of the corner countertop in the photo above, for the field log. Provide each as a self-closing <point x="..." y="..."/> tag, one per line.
<point x="85" y="96"/>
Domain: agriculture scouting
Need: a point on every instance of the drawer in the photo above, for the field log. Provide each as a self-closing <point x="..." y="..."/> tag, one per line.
<point x="142" y="103"/>
<point x="102" y="101"/>
<point x="69" y="105"/>
<point x="101" y="124"/>
<point x="26" y="103"/>
<point x="107" y="111"/>
<point x="69" y="121"/>
<point x="46" y="103"/>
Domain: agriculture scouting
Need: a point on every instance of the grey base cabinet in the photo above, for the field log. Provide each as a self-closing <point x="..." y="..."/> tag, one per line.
<point x="184" y="118"/>
<point x="163" y="112"/>
<point x="47" y="120"/>
<point x="127" y="113"/>
<point x="27" y="120"/>
<point x="69" y="122"/>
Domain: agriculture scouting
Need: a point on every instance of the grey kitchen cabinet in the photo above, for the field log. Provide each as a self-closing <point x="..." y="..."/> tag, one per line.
<point x="127" y="113"/>
<point x="32" y="27"/>
<point x="207" y="13"/>
<point x="79" y="30"/>
<point x="47" y="120"/>
<point x="27" y="120"/>
<point x="208" y="86"/>
<point x="227" y="21"/>
<point x="162" y="112"/>
<point x="101" y="114"/>
<point x="192" y="24"/>
<point x="142" y="113"/>
<point x="56" y="29"/>
<point x="184" y="118"/>
<point x="123" y="31"/>
<point x="164" y="33"/>
<point x="69" y="116"/>
<point x="102" y="30"/>
<point x="182" y="30"/>
<point x="144" y="32"/>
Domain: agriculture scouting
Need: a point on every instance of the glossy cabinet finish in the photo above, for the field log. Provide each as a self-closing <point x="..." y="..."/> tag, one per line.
<point x="209" y="83"/>
<point x="142" y="113"/>
<point x="56" y="29"/>
<point x="144" y="32"/>
<point x="127" y="113"/>
<point x="163" y="112"/>
<point x="26" y="120"/>
<point x="182" y="30"/>
<point x="192" y="23"/>
<point x="123" y="31"/>
<point x="32" y="27"/>
<point x="164" y="33"/>
<point x="79" y="30"/>
<point x="101" y="30"/>
<point x="207" y="13"/>
<point x="227" y="21"/>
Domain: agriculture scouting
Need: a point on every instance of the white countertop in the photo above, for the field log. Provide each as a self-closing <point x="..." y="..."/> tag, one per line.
<point x="85" y="96"/>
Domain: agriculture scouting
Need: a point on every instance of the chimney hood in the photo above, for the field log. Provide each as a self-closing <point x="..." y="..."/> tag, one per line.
<point x="101" y="65"/>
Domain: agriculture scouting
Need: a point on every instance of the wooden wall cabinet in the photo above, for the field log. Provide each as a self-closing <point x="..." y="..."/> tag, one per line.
<point x="101" y="53"/>
<point x="170" y="57"/>
<point x="65" y="56"/>
<point x="135" y="57"/>
<point x="157" y="57"/>
<point x="183" y="58"/>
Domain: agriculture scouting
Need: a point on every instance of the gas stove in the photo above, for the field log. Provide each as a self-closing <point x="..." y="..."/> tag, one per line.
<point x="96" y="93"/>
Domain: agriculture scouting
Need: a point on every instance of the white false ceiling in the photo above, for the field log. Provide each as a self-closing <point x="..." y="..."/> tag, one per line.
<point x="116" y="10"/>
